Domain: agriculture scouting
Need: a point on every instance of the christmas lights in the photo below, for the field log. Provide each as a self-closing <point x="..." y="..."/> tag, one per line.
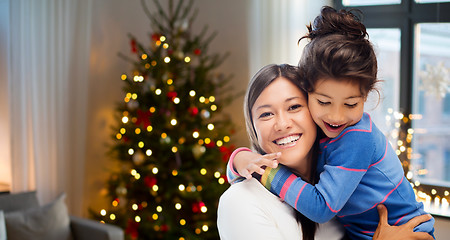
<point x="171" y="138"/>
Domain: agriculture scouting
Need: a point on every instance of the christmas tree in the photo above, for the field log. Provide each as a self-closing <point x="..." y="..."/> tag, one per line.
<point x="171" y="137"/>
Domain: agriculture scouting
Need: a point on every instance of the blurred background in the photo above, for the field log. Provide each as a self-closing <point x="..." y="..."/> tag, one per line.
<point x="61" y="83"/>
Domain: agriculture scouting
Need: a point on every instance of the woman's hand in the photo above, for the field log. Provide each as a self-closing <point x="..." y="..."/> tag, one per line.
<point x="246" y="162"/>
<point x="385" y="231"/>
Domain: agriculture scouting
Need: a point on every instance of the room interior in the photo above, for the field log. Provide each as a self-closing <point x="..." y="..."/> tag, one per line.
<point x="61" y="83"/>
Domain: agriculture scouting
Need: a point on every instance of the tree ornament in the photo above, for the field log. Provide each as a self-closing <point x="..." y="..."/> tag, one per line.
<point x="156" y="37"/>
<point x="182" y="25"/>
<point x="435" y="80"/>
<point x="164" y="228"/>
<point x="121" y="190"/>
<point x="179" y="54"/>
<point x="193" y="111"/>
<point x="143" y="118"/>
<point x="205" y="114"/>
<point x="133" y="45"/>
<point x="211" y="144"/>
<point x="138" y="157"/>
<point x="226" y="152"/>
<point x="132" y="105"/>
<point x="149" y="84"/>
<point x="165" y="140"/>
<point x="171" y="95"/>
<point x="132" y="229"/>
<point x="150" y="181"/>
<point x="198" y="150"/>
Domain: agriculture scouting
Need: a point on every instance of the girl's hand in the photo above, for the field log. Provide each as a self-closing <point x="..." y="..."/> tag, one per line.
<point x="385" y="231"/>
<point x="246" y="162"/>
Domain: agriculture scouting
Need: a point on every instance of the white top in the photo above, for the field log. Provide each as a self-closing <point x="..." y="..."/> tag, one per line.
<point x="249" y="211"/>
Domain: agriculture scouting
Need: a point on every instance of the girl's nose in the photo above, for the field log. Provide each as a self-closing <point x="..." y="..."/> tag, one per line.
<point x="336" y="115"/>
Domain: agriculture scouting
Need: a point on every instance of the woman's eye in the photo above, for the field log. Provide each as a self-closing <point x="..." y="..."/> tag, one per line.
<point x="351" y="105"/>
<point x="295" y="106"/>
<point x="322" y="103"/>
<point x="265" y="114"/>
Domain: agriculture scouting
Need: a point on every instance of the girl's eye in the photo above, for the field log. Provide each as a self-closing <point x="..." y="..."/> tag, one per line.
<point x="351" y="105"/>
<point x="295" y="106"/>
<point x="265" y="114"/>
<point x="322" y="103"/>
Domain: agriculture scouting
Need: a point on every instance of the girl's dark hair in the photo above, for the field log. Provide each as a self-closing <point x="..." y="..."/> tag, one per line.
<point x="263" y="78"/>
<point x="339" y="48"/>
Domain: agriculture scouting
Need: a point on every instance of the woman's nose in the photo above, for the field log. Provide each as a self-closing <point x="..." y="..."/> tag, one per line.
<point x="283" y="122"/>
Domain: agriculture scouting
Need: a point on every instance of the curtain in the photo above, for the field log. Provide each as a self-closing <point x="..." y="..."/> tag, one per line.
<point x="5" y="146"/>
<point x="275" y="28"/>
<point x="48" y="78"/>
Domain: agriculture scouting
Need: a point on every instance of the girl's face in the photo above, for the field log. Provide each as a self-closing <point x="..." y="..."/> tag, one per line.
<point x="335" y="105"/>
<point x="283" y="123"/>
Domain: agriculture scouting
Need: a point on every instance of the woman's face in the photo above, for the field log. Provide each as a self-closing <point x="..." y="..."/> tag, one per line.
<point x="283" y="123"/>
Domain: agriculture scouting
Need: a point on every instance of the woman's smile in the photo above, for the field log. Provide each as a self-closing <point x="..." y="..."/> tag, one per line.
<point x="287" y="142"/>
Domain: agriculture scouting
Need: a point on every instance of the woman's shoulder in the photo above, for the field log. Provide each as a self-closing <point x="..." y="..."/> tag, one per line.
<point x="248" y="211"/>
<point x="248" y="192"/>
<point x="248" y="208"/>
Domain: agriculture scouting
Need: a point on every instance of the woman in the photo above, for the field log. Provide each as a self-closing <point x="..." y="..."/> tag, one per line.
<point x="277" y="120"/>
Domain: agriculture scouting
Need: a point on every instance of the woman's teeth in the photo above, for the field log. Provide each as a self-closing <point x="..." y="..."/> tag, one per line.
<point x="287" y="140"/>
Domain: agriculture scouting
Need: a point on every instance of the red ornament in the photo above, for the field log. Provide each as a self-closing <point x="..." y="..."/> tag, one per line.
<point x="133" y="45"/>
<point x="210" y="144"/>
<point x="143" y="118"/>
<point x="164" y="228"/>
<point x="224" y="176"/>
<point x="226" y="152"/>
<point x="150" y="181"/>
<point x="193" y="111"/>
<point x="195" y="208"/>
<point x="132" y="229"/>
<point x="156" y="36"/>
<point x="172" y="95"/>
<point x="197" y="51"/>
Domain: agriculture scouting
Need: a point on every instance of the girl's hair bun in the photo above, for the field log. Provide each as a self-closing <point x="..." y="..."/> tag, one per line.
<point x="343" y="22"/>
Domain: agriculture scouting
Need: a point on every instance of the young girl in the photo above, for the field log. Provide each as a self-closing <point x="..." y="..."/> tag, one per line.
<point x="357" y="166"/>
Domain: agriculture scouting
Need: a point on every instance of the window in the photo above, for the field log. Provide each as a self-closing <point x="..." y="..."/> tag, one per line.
<point x="431" y="1"/>
<point x="412" y="41"/>
<point x="386" y="43"/>
<point x="369" y="2"/>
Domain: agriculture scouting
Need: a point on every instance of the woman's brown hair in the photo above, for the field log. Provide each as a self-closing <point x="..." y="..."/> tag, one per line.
<point x="263" y="78"/>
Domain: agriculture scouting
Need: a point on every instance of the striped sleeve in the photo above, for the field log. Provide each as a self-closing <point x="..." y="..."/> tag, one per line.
<point x="341" y="176"/>
<point x="232" y="175"/>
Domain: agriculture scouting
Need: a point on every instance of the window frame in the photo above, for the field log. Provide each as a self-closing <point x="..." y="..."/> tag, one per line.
<point x="405" y="16"/>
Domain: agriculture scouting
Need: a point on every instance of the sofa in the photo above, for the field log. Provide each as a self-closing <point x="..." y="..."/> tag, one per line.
<point x="21" y="217"/>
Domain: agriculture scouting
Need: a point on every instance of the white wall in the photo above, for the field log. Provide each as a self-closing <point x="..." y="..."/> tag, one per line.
<point x="112" y="21"/>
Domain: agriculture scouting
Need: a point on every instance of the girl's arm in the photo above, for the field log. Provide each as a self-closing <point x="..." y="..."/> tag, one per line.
<point x="341" y="175"/>
<point x="243" y="162"/>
